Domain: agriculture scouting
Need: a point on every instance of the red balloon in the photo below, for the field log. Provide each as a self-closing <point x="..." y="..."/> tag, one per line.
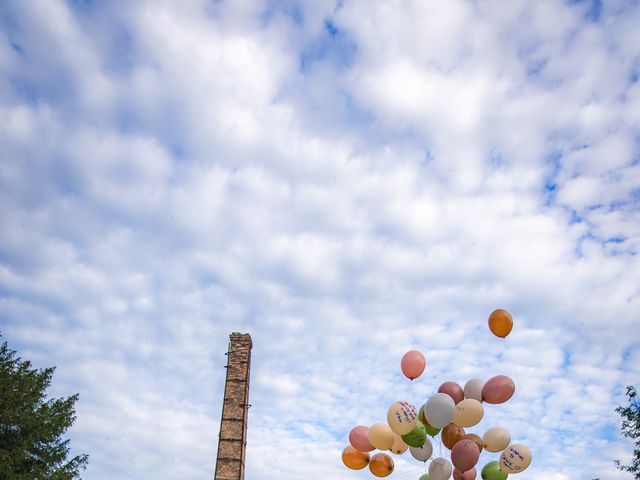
<point x="359" y="439"/>
<point x="465" y="455"/>
<point x="452" y="389"/>
<point x="498" y="389"/>
<point x="468" y="475"/>
<point x="413" y="364"/>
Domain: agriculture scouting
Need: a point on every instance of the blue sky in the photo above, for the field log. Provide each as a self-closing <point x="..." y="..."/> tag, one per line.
<point x="344" y="180"/>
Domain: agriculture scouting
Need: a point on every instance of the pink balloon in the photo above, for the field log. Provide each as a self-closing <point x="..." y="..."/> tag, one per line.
<point x="359" y="439"/>
<point x="453" y="390"/>
<point x="465" y="454"/>
<point x="468" y="475"/>
<point x="413" y="364"/>
<point x="498" y="389"/>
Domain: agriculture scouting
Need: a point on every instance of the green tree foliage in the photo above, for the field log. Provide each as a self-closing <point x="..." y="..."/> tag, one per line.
<point x="631" y="429"/>
<point x="31" y="426"/>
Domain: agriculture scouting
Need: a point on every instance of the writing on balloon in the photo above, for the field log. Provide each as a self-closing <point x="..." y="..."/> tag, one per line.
<point x="407" y="413"/>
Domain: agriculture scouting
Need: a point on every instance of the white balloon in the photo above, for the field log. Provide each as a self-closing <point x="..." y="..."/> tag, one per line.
<point x="473" y="389"/>
<point x="439" y="410"/>
<point x="422" y="453"/>
<point x="440" y="469"/>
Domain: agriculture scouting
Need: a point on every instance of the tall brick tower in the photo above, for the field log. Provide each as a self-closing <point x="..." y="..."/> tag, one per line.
<point x="233" y="426"/>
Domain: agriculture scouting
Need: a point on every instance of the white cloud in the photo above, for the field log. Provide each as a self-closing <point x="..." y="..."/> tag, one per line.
<point x="345" y="182"/>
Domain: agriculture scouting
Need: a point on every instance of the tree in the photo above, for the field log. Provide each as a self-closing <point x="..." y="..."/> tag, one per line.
<point x="31" y="426"/>
<point x="631" y="429"/>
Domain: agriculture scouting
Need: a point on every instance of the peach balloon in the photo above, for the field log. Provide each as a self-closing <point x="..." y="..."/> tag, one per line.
<point x="402" y="417"/>
<point x="515" y="459"/>
<point x="468" y="413"/>
<point x="398" y="447"/>
<point x="413" y="364"/>
<point x="496" y="439"/>
<point x="381" y="436"/>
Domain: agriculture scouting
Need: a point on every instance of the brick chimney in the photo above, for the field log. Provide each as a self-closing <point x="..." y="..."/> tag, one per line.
<point x="233" y="425"/>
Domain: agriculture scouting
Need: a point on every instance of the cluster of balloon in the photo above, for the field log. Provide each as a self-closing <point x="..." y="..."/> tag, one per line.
<point x="447" y="413"/>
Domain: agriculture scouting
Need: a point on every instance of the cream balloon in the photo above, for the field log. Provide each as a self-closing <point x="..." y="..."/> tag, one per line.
<point x="473" y="389"/>
<point x="468" y="413"/>
<point x="440" y="469"/>
<point x="381" y="436"/>
<point x="422" y="453"/>
<point x="439" y="410"/>
<point x="402" y="417"/>
<point x="496" y="439"/>
<point x="515" y="458"/>
<point x="398" y="447"/>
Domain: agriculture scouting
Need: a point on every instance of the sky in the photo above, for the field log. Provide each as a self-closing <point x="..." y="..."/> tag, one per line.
<point x="345" y="180"/>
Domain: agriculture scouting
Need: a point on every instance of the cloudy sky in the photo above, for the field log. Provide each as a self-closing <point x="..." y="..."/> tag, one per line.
<point x="345" y="180"/>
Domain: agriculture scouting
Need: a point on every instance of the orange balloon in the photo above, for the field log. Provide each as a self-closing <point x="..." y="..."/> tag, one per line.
<point x="354" y="459"/>
<point x="381" y="465"/>
<point x="500" y="323"/>
<point x="451" y="434"/>
<point x="475" y="438"/>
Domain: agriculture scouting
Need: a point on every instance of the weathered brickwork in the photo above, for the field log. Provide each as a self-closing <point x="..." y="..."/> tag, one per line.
<point x="233" y="425"/>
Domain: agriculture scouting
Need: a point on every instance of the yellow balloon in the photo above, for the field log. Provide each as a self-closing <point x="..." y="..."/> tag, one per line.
<point x="398" y="447"/>
<point x="468" y="413"/>
<point x="515" y="459"/>
<point x="402" y="417"/>
<point x="381" y="436"/>
<point x="496" y="439"/>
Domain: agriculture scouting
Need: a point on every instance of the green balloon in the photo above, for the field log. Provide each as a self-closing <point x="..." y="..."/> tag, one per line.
<point x="424" y="477"/>
<point x="491" y="471"/>
<point x="417" y="436"/>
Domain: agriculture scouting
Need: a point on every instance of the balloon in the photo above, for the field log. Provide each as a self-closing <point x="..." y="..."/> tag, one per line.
<point x="402" y="417"/>
<point x="453" y="390"/>
<point x="431" y="430"/>
<point x="381" y="436"/>
<point x="515" y="459"/>
<point x="439" y="410"/>
<point x="496" y="439"/>
<point x="413" y="364"/>
<point x="354" y="459"/>
<point x="451" y="434"/>
<point x="469" y="412"/>
<point x="359" y="439"/>
<point x="398" y="447"/>
<point x="500" y="322"/>
<point x="381" y="465"/>
<point x="465" y="455"/>
<point x="475" y="438"/>
<point x="473" y="389"/>
<point x="424" y="477"/>
<point x="422" y="453"/>
<point x="468" y="475"/>
<point x="491" y="471"/>
<point x="498" y="389"/>
<point x="417" y="436"/>
<point x="440" y="469"/>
